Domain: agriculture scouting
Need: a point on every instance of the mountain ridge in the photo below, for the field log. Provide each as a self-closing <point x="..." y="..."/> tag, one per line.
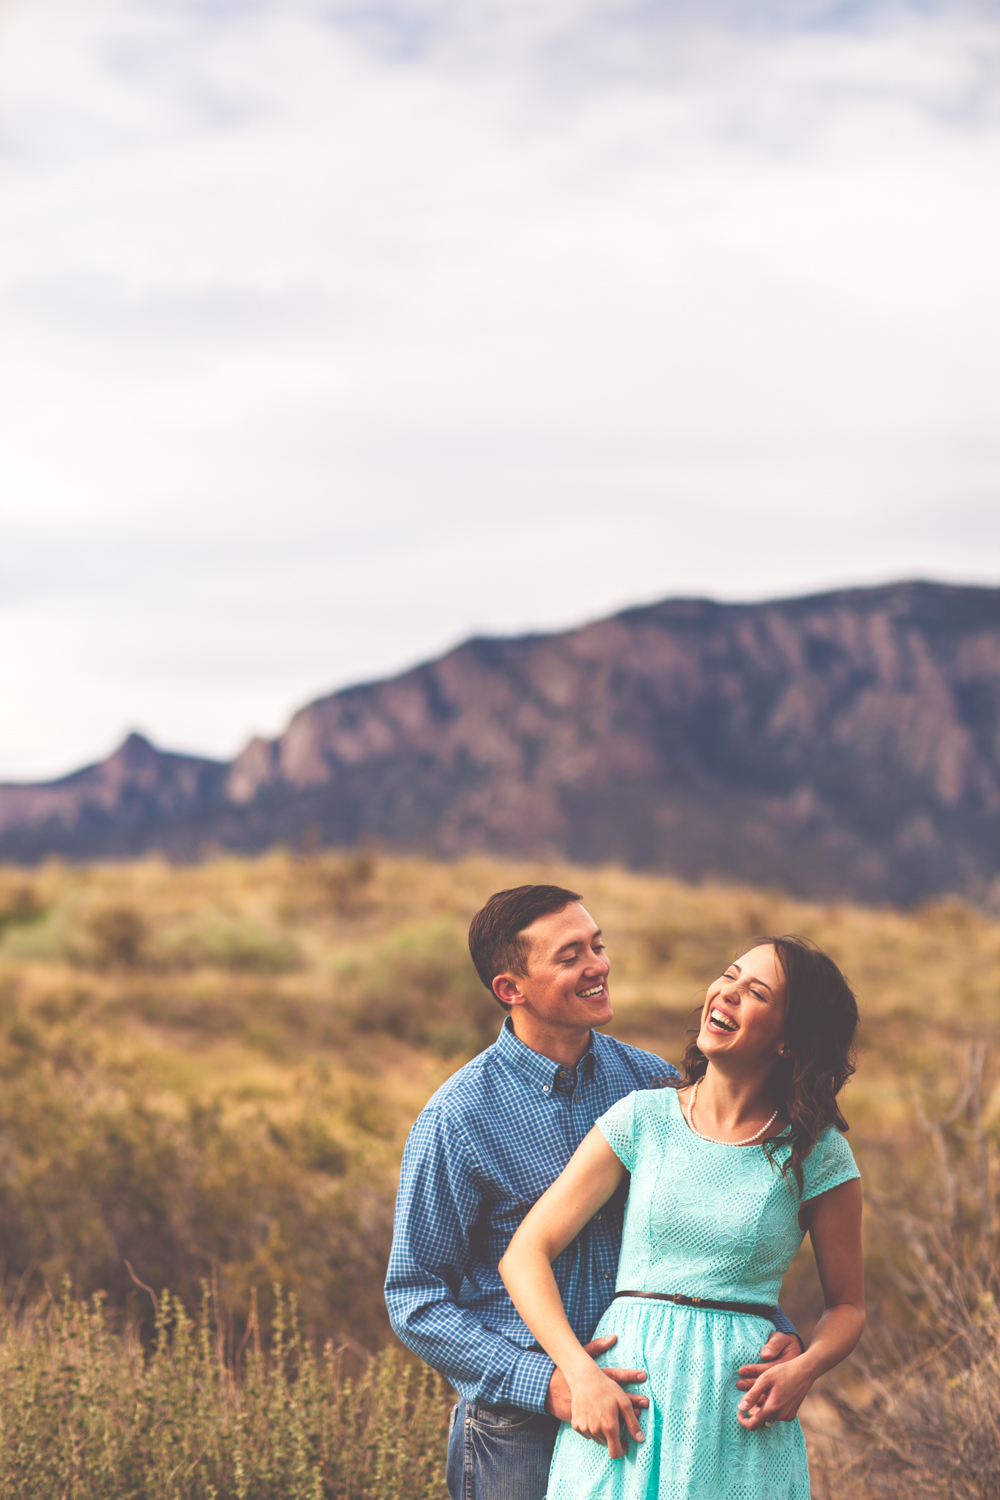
<point x="843" y="743"/>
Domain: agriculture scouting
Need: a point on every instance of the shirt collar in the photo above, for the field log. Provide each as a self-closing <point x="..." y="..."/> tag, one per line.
<point x="538" y="1070"/>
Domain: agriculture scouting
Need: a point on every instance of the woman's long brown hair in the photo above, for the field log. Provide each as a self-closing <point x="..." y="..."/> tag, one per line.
<point x="819" y="1057"/>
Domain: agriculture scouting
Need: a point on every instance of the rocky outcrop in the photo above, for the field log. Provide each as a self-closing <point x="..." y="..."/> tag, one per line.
<point x="847" y="743"/>
<point x="110" y="808"/>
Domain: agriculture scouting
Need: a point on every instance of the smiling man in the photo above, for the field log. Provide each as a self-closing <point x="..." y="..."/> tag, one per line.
<point x="483" y="1150"/>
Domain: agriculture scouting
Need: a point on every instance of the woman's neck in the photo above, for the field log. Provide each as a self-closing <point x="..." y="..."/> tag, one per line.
<point x="729" y="1105"/>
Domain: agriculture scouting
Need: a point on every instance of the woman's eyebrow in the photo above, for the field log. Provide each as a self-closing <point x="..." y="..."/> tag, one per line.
<point x="753" y="981"/>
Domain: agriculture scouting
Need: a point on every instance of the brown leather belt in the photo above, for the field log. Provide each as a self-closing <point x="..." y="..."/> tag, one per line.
<point x="754" y="1309"/>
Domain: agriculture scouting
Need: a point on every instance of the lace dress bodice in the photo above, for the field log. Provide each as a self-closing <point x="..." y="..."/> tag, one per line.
<point x="704" y="1219"/>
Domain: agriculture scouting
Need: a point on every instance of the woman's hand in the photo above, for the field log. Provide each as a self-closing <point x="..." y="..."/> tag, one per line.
<point x="600" y="1407"/>
<point x="776" y="1394"/>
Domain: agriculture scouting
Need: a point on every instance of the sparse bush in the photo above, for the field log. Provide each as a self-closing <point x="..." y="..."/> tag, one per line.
<point x="20" y="903"/>
<point x="118" y="935"/>
<point x="88" y="1413"/>
<point x="329" y="885"/>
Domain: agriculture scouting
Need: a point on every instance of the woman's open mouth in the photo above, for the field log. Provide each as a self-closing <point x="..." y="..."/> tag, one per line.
<point x="592" y="993"/>
<point x="719" y="1021"/>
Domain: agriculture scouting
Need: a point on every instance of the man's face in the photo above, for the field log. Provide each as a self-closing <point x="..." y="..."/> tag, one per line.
<point x="567" y="979"/>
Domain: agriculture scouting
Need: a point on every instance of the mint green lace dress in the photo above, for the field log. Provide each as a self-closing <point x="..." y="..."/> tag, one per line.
<point x="709" y="1221"/>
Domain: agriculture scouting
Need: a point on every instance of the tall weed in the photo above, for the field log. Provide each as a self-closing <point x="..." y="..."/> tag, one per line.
<point x="927" y="1418"/>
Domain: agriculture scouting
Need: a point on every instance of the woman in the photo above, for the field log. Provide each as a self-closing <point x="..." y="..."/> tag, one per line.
<point x="728" y="1171"/>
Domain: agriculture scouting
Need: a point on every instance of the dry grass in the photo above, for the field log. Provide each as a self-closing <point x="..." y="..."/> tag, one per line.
<point x="211" y="1070"/>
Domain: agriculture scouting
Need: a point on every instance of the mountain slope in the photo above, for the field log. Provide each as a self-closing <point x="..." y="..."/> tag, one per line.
<point x="846" y="742"/>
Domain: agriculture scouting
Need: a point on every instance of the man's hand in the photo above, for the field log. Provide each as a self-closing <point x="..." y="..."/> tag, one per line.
<point x="559" y="1401"/>
<point x="779" y="1348"/>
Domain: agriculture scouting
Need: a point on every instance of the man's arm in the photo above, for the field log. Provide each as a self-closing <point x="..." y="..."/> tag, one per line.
<point x="435" y="1209"/>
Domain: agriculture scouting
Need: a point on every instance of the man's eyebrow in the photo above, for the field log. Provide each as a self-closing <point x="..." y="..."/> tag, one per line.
<point x="575" y="942"/>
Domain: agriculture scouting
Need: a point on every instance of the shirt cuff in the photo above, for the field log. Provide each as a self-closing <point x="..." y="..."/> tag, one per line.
<point x="529" y="1381"/>
<point x="784" y="1324"/>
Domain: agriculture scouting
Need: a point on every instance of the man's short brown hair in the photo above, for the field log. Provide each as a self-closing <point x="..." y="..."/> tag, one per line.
<point x="496" y="934"/>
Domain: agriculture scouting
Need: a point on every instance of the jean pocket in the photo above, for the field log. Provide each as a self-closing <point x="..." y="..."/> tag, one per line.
<point x="500" y="1419"/>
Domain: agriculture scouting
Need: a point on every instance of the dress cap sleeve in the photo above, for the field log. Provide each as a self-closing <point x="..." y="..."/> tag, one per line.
<point x="829" y="1163"/>
<point x="618" y="1128"/>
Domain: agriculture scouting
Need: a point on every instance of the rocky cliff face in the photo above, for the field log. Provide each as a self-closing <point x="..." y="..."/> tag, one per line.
<point x="847" y="743"/>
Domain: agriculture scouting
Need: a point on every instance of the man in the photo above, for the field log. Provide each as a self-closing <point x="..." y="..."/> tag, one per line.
<point x="483" y="1150"/>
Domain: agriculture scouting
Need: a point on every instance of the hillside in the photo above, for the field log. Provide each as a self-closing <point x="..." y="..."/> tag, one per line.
<point x="846" y="744"/>
<point x="208" y="1074"/>
<point x="215" y="1067"/>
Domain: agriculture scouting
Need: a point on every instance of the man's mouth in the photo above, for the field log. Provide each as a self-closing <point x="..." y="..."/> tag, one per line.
<point x="592" y="994"/>
<point x="724" y="1022"/>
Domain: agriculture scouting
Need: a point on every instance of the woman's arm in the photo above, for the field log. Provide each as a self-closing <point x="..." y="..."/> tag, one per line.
<point x="834" y="1223"/>
<point x="599" y="1406"/>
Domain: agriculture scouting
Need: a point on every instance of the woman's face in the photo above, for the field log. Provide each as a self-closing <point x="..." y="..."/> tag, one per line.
<point x="744" y="1013"/>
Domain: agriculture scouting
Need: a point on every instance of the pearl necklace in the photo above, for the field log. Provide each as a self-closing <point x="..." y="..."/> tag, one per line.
<point x="750" y="1138"/>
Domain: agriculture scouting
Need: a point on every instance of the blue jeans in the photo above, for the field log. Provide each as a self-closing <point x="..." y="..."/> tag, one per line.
<point x="499" y="1452"/>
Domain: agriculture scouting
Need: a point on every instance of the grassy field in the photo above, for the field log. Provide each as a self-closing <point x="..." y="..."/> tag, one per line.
<point x="208" y="1074"/>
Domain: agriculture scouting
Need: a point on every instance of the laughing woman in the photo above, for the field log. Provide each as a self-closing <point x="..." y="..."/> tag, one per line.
<point x="728" y="1172"/>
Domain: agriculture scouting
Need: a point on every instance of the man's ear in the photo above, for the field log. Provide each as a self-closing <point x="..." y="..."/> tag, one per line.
<point x="507" y="990"/>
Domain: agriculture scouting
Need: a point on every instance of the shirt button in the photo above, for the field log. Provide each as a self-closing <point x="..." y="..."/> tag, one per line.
<point x="597" y="1216"/>
<point x="607" y="1275"/>
<point x="576" y="1098"/>
<point x="545" y="1088"/>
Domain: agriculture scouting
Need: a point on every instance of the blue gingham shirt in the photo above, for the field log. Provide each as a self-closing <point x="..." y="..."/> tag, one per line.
<point x="483" y="1150"/>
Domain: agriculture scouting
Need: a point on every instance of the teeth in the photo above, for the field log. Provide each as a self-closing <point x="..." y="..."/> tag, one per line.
<point x="724" y="1021"/>
<point x="589" y="994"/>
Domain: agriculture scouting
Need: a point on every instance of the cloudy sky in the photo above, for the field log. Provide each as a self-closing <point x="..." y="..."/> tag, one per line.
<point x="334" y="331"/>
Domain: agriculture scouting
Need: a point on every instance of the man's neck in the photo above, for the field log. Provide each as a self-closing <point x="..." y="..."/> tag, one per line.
<point x="560" y="1044"/>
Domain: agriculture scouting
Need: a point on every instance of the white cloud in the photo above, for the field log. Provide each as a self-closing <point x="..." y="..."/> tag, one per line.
<point x="332" y="333"/>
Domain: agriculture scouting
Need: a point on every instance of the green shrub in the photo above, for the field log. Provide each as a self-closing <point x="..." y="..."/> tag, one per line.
<point x="87" y="1184"/>
<point x="241" y="946"/>
<point x="420" y="986"/>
